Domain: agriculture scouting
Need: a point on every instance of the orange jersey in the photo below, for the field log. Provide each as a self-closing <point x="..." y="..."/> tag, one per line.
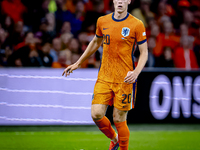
<point x="119" y="40"/>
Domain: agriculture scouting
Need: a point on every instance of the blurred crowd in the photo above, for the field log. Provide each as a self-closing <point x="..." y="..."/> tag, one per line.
<point x="54" y="33"/>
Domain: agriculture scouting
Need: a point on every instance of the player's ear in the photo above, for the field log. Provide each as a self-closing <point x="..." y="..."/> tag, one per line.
<point x="129" y="1"/>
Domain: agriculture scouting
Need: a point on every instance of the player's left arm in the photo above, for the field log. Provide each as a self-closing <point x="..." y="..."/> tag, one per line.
<point x="132" y="75"/>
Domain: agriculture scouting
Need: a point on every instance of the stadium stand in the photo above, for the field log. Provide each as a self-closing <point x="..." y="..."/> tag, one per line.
<point x="54" y="33"/>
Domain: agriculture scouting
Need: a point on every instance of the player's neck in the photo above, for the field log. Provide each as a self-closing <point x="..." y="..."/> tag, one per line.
<point x="121" y="15"/>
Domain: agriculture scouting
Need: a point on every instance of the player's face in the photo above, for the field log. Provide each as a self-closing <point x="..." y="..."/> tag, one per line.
<point x="121" y="5"/>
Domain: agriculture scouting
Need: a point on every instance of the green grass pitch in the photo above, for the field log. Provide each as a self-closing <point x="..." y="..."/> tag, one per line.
<point x="142" y="137"/>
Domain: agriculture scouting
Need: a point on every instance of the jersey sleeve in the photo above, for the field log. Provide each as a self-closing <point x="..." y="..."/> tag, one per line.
<point x="140" y="33"/>
<point x="98" y="29"/>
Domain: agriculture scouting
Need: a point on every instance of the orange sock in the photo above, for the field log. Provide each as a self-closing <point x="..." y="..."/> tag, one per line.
<point x="123" y="135"/>
<point x="105" y="127"/>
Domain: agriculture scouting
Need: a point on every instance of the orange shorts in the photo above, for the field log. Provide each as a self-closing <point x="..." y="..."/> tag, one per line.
<point x="120" y="95"/>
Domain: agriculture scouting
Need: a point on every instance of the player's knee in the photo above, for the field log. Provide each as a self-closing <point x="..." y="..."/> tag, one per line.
<point x="119" y="116"/>
<point x="97" y="115"/>
<point x="116" y="119"/>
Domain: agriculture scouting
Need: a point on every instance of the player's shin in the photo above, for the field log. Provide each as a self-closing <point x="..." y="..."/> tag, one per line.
<point x="123" y="135"/>
<point x="105" y="127"/>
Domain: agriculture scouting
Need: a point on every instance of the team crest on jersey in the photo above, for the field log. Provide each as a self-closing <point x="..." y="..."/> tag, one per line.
<point x="125" y="31"/>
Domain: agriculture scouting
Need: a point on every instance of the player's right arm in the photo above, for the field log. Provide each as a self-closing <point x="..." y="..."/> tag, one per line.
<point x="91" y="48"/>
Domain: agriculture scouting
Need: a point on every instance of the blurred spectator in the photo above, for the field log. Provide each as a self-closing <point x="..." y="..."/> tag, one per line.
<point x="18" y="34"/>
<point x="188" y="20"/>
<point x="151" y="59"/>
<point x="47" y="59"/>
<point x="4" y="54"/>
<point x="163" y="14"/>
<point x="39" y="14"/>
<point x="43" y="34"/>
<point x="8" y="24"/>
<point x="51" y="24"/>
<point x="27" y="54"/>
<point x="155" y="32"/>
<point x="106" y="5"/>
<point x="166" y="59"/>
<point x="80" y="10"/>
<point x="61" y="14"/>
<point x="56" y="47"/>
<point x="168" y="38"/>
<point x="3" y="37"/>
<point x="161" y="10"/>
<point x="90" y="31"/>
<point x="184" y="31"/>
<point x="34" y="58"/>
<point x="181" y="7"/>
<point x="65" y="38"/>
<point x="184" y="57"/>
<point x="151" y="23"/>
<point x="92" y="15"/>
<point x="143" y="13"/>
<point x="74" y="49"/>
<point x="29" y="38"/>
<point x="79" y="16"/>
<point x="84" y="40"/>
<point x="69" y="55"/>
<point x="66" y="27"/>
<point x="37" y="10"/>
<point x="64" y="15"/>
<point x="61" y="63"/>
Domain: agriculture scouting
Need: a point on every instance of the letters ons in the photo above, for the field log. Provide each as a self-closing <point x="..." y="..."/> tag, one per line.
<point x="177" y="97"/>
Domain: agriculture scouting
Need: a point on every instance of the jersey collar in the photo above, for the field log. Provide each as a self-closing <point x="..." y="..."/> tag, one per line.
<point x="118" y="20"/>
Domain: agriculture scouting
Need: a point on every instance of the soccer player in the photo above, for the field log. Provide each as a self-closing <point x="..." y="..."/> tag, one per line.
<point x="117" y="77"/>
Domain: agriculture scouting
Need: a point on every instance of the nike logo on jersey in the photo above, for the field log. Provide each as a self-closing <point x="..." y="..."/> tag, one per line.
<point x="105" y="28"/>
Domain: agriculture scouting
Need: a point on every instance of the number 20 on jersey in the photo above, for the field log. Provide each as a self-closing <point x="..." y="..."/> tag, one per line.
<point x="106" y="39"/>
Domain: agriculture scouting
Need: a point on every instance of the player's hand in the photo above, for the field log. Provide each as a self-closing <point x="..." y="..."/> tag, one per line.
<point x="131" y="77"/>
<point x="70" y="69"/>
